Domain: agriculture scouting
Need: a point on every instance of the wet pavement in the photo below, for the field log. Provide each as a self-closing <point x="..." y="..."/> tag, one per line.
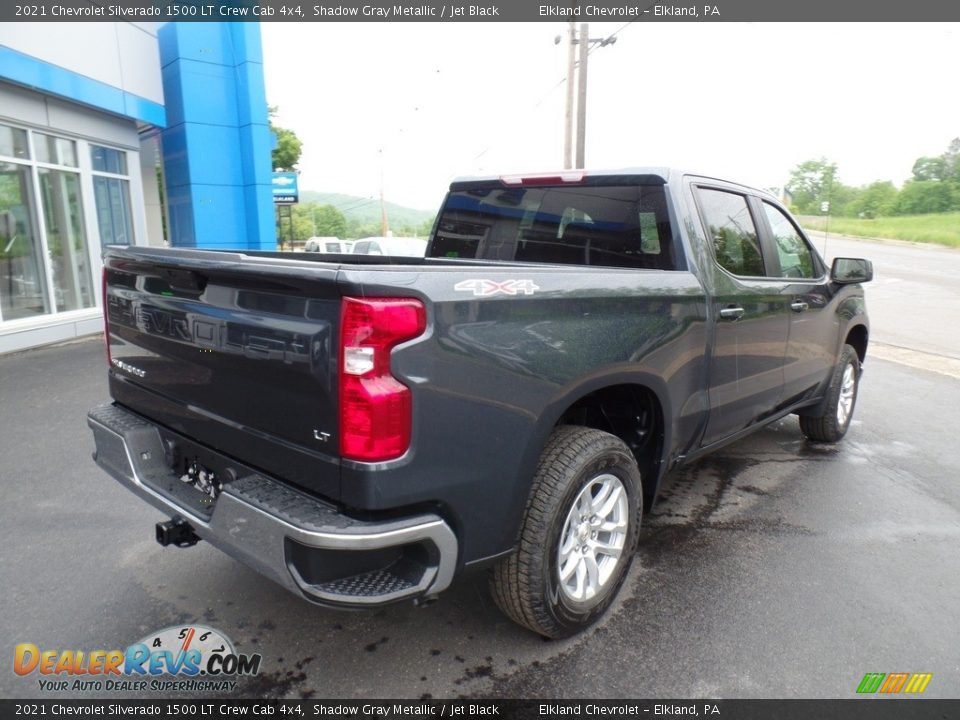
<point x="773" y="568"/>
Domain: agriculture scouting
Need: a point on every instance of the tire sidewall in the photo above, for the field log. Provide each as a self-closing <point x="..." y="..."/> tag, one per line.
<point x="567" y="613"/>
<point x="847" y="359"/>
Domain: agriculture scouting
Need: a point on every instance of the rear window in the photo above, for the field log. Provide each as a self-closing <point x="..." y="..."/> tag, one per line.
<point x="613" y="226"/>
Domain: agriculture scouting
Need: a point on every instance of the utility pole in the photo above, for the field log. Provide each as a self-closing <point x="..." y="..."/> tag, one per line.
<point x="568" y="114"/>
<point x="384" y="226"/>
<point x="582" y="96"/>
<point x="578" y="146"/>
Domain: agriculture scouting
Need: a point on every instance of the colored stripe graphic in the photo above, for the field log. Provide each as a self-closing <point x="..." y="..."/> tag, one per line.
<point x="871" y="682"/>
<point x="918" y="682"/>
<point x="894" y="683"/>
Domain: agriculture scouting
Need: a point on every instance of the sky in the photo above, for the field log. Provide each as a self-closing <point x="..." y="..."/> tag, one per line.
<point x="423" y="103"/>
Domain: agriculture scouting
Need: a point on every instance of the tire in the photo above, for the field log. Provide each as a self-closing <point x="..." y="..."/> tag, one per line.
<point x="837" y="409"/>
<point x="581" y="470"/>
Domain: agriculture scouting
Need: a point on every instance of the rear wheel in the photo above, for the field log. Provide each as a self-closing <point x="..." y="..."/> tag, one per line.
<point x="578" y="537"/>
<point x="837" y="411"/>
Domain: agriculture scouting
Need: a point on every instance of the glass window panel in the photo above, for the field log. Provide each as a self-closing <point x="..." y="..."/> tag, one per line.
<point x="610" y="225"/>
<point x="732" y="232"/>
<point x="106" y="159"/>
<point x="55" y="150"/>
<point x="112" y="197"/>
<point x="66" y="239"/>
<point x="796" y="260"/>
<point x="13" y="142"/>
<point x="22" y="284"/>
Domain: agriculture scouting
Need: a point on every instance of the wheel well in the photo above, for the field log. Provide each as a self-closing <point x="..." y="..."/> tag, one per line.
<point x="633" y="414"/>
<point x="857" y="337"/>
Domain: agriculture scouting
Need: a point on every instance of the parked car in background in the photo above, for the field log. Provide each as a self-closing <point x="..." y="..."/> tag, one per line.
<point x="391" y="246"/>
<point x="328" y="245"/>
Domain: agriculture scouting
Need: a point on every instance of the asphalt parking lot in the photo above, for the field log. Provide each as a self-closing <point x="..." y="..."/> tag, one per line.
<point x="774" y="568"/>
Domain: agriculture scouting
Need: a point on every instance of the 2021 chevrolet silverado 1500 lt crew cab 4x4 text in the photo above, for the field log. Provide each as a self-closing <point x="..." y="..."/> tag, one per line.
<point x="361" y="430"/>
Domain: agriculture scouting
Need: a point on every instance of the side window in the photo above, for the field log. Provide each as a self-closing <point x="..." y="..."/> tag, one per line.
<point x="796" y="260"/>
<point x="732" y="231"/>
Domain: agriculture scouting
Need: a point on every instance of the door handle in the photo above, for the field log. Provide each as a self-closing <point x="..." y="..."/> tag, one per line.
<point x="731" y="313"/>
<point x="798" y="306"/>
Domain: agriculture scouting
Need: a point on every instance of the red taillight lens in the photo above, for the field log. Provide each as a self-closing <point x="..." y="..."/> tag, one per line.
<point x="375" y="410"/>
<point x="106" y="315"/>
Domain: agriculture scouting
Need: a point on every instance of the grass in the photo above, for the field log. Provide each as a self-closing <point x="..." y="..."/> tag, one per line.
<point x="940" y="228"/>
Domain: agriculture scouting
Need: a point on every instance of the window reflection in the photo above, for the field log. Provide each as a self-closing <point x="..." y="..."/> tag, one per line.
<point x="66" y="239"/>
<point x="55" y="150"/>
<point x="796" y="259"/>
<point x="23" y="290"/>
<point x="113" y="210"/>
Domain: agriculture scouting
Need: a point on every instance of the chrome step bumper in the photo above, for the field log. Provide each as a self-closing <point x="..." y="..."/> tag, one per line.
<point x="280" y="532"/>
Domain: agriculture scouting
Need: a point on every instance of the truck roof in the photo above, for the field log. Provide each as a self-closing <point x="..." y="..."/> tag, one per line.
<point x="655" y="175"/>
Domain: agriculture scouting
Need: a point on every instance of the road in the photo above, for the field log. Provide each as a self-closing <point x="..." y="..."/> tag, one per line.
<point x="914" y="300"/>
<point x="774" y="568"/>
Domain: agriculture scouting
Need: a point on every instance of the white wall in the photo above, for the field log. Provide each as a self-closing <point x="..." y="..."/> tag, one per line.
<point x="123" y="55"/>
<point x="149" y="158"/>
<point x="45" y="111"/>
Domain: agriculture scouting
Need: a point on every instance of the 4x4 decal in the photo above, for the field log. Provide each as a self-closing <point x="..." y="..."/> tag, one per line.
<point x="486" y="288"/>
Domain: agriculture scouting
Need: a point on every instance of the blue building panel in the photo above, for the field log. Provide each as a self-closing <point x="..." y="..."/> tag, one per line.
<point x="261" y="220"/>
<point x="217" y="146"/>
<point x="56" y="80"/>
<point x="250" y="89"/>
<point x="214" y="154"/>
<point x="206" y="90"/>
<point x="180" y="215"/>
<point x="246" y="39"/>
<point x="203" y="42"/>
<point x="176" y="164"/>
<point x="260" y="144"/>
<point x="222" y="220"/>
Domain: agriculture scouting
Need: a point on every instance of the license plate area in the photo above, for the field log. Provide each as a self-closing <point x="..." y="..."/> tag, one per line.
<point x="201" y="478"/>
<point x="190" y="474"/>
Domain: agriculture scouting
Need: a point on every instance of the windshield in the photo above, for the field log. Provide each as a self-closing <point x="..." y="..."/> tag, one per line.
<point x="615" y="226"/>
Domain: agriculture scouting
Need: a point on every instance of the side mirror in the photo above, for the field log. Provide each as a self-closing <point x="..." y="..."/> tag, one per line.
<point x="848" y="271"/>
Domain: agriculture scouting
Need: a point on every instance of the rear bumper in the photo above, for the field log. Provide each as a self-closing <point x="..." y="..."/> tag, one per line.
<point x="305" y="545"/>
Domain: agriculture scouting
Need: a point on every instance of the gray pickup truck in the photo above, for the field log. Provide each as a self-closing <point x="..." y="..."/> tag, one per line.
<point x="363" y="429"/>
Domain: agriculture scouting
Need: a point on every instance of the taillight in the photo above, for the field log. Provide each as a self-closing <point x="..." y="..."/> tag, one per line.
<point x="375" y="410"/>
<point x="106" y="315"/>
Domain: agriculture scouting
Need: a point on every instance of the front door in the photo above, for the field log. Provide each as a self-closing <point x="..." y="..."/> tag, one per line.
<point x="751" y="317"/>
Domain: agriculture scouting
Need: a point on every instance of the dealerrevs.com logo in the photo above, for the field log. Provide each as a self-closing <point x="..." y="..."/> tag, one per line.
<point x="195" y="656"/>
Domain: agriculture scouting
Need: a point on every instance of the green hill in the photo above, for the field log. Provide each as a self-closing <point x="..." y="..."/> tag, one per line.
<point x="366" y="211"/>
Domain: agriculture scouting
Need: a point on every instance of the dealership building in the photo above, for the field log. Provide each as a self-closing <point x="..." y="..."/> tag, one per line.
<point x="129" y="133"/>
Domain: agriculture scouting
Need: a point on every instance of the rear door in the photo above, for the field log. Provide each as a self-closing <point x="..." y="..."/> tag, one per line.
<point x="751" y="314"/>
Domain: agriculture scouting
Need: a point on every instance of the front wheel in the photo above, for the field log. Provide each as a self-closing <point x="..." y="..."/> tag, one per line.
<point x="578" y="536"/>
<point x="837" y="410"/>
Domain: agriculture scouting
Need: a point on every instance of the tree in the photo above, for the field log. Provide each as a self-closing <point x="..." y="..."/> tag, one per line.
<point x="951" y="159"/>
<point x="328" y="221"/>
<point x="876" y="199"/>
<point x="811" y="183"/>
<point x="286" y="154"/>
<point x="925" y="196"/>
<point x="930" y="168"/>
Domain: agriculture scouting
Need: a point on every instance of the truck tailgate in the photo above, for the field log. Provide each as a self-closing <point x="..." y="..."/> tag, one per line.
<point x="238" y="350"/>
